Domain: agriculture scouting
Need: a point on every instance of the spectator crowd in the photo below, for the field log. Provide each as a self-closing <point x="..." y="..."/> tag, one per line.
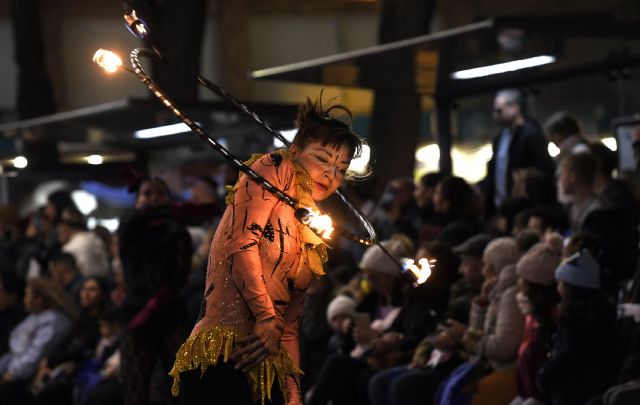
<point x="533" y="296"/>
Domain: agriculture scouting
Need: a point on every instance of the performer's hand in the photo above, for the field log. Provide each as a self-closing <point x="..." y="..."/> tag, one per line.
<point x="253" y="349"/>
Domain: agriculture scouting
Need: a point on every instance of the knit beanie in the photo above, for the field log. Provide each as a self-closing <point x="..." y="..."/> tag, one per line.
<point x="341" y="305"/>
<point x="501" y="252"/>
<point x="581" y="270"/>
<point x="538" y="265"/>
<point x="374" y="259"/>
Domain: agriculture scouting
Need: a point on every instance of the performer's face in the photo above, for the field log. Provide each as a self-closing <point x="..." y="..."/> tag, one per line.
<point x="326" y="164"/>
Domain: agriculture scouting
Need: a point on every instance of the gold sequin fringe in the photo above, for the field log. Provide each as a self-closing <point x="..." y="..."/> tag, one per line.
<point x="205" y="348"/>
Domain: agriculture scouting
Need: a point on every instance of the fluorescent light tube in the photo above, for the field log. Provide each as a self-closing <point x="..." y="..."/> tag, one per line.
<point x="503" y="67"/>
<point x="162" y="131"/>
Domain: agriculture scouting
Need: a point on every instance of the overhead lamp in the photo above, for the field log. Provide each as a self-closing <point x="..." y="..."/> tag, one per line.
<point x="164" y="130"/>
<point x="20" y="162"/>
<point x="503" y="67"/>
<point x="95" y="159"/>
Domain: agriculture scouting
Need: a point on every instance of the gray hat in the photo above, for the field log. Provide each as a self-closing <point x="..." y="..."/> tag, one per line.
<point x="581" y="270"/>
<point x="474" y="246"/>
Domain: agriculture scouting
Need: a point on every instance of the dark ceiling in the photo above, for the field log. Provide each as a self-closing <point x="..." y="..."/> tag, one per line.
<point x="582" y="46"/>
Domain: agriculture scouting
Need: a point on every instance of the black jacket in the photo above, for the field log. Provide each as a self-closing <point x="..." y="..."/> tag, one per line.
<point x="528" y="149"/>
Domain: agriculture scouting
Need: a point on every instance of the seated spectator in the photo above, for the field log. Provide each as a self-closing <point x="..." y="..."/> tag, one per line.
<point x="98" y="380"/>
<point x="576" y="180"/>
<point x="581" y="364"/>
<point x="340" y="316"/>
<point x="339" y="375"/>
<point x="423" y="194"/>
<point x="11" y="307"/>
<point x="563" y="130"/>
<point x="622" y="246"/>
<point x="537" y="300"/>
<point x="54" y="381"/>
<point x="457" y="203"/>
<point x="46" y="327"/>
<point x="64" y="272"/>
<point x="400" y="214"/>
<point x="495" y="331"/>
<point x="85" y="246"/>
<point x="471" y="265"/>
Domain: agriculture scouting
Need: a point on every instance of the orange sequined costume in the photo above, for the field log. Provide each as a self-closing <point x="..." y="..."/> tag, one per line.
<point x="260" y="264"/>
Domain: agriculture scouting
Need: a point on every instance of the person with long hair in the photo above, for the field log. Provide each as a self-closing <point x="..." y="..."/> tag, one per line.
<point x="537" y="300"/>
<point x="582" y="363"/>
<point x="51" y="313"/>
<point x="261" y="262"/>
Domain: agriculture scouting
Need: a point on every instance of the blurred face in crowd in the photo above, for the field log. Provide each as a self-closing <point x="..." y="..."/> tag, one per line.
<point x="32" y="302"/>
<point x="471" y="268"/>
<point x="108" y="329"/>
<point x="65" y="232"/>
<point x="440" y="205"/>
<point x="202" y="193"/>
<point x="58" y="272"/>
<point x="423" y="195"/>
<point x="338" y="323"/>
<point x="505" y="111"/>
<point x="326" y="164"/>
<point x="90" y="294"/>
<point x="152" y="194"/>
<point x="566" y="181"/>
<point x="380" y="282"/>
<point x="488" y="271"/>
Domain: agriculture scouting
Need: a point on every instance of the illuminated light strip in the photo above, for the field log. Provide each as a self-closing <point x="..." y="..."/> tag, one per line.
<point x="164" y="130"/>
<point x="503" y="67"/>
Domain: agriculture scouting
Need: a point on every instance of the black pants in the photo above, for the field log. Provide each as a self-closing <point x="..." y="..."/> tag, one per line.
<point x="221" y="385"/>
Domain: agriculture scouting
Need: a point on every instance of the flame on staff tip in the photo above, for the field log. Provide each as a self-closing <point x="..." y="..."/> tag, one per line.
<point x="320" y="224"/>
<point x="107" y="60"/>
<point x="421" y="272"/>
<point x="135" y="24"/>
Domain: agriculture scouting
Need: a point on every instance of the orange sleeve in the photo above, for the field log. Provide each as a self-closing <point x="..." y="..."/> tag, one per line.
<point x="251" y="209"/>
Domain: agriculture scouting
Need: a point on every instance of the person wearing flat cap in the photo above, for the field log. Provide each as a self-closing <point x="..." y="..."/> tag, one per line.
<point x="471" y="264"/>
<point x="581" y="364"/>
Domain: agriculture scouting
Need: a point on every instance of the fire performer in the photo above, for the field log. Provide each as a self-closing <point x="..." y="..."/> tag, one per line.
<point x="260" y="264"/>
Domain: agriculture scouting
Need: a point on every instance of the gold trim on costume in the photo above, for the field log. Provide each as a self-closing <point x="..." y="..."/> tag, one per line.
<point x="206" y="347"/>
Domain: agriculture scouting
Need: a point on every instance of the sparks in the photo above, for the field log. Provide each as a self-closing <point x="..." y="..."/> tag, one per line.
<point x="320" y="224"/>
<point x="107" y="60"/>
<point x="419" y="273"/>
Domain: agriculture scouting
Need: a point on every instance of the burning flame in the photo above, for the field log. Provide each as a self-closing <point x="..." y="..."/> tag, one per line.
<point x="421" y="272"/>
<point x="321" y="224"/>
<point x="107" y="60"/>
<point x="135" y="23"/>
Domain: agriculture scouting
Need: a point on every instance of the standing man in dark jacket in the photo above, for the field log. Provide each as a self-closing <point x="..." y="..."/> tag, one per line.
<point x="519" y="145"/>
